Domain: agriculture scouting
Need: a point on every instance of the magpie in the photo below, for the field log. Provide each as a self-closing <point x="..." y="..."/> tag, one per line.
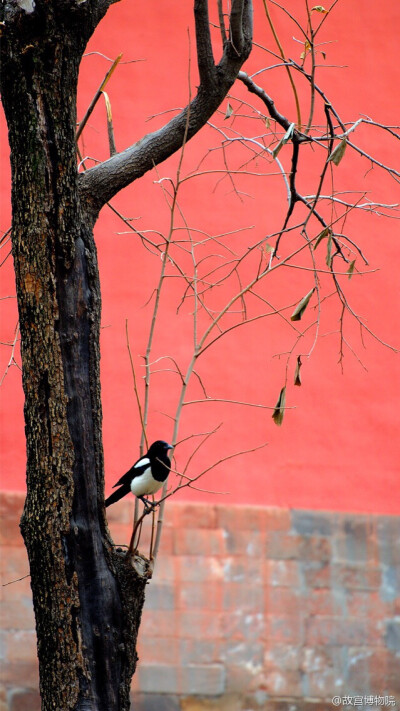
<point x="146" y="476"/>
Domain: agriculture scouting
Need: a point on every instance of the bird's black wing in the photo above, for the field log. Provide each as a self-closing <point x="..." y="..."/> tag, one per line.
<point x="117" y="495"/>
<point x="136" y="470"/>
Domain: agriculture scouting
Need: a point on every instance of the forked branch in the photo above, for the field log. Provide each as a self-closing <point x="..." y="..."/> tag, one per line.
<point x="99" y="184"/>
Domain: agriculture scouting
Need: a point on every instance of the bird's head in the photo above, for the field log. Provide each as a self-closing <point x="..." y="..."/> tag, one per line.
<point x="159" y="447"/>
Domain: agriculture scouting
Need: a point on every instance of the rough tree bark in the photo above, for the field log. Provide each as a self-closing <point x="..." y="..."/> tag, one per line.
<point x="87" y="598"/>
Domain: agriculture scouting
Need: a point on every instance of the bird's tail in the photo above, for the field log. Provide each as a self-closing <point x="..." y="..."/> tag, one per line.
<point x="117" y="495"/>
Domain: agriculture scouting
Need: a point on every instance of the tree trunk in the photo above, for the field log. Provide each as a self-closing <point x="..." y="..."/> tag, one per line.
<point x="87" y="600"/>
<point x="87" y="597"/>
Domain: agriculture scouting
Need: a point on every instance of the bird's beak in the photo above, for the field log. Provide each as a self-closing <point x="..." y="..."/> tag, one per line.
<point x="169" y="446"/>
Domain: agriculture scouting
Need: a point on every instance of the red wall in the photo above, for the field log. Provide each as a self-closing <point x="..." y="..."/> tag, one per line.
<point x="338" y="449"/>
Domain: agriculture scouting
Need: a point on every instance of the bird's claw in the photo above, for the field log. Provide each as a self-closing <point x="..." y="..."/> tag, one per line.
<point x="149" y="506"/>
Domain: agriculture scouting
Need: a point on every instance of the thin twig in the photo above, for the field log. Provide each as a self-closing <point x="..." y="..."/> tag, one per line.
<point x="96" y="97"/>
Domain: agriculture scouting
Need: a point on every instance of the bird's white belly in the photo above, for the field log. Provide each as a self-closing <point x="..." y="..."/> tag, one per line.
<point x="145" y="484"/>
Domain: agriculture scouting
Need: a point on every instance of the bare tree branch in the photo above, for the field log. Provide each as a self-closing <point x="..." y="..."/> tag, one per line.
<point x="103" y="181"/>
<point x="205" y="56"/>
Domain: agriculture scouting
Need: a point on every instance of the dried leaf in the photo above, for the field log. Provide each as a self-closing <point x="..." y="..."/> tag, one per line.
<point x="350" y="270"/>
<point x="301" y="306"/>
<point x="229" y="111"/>
<point x="279" y="410"/>
<point x="297" y="377"/>
<point x="306" y="49"/>
<point x="268" y="247"/>
<point x="328" y="259"/>
<point x="325" y="233"/>
<point x="108" y="105"/>
<point x="283" y="140"/>
<point x="110" y="129"/>
<point x="277" y="148"/>
<point x="288" y="133"/>
<point x="338" y="152"/>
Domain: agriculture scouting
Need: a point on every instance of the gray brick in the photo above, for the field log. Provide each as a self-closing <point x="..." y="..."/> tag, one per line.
<point x="249" y="543"/>
<point x="160" y="597"/>
<point x="237" y="596"/>
<point x="352" y="543"/>
<point x="390" y="583"/>
<point x="316" y="574"/>
<point x="311" y="523"/>
<point x="388" y="534"/>
<point x="155" y="702"/>
<point x="237" y="652"/>
<point x="392" y="634"/>
<point x="157" y="678"/>
<point x="238" y="678"/>
<point x="247" y="626"/>
<point x="357" y="576"/>
<point x="198" y="651"/>
<point x="281" y="545"/>
<point x="239" y="569"/>
<point x="315" y="548"/>
<point x="258" y="700"/>
<point x="388" y="527"/>
<point x="357" y="669"/>
<point x="204" y="680"/>
<point x="287" y="657"/>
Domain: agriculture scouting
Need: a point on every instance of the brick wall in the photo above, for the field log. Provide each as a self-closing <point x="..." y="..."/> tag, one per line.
<point x="249" y="609"/>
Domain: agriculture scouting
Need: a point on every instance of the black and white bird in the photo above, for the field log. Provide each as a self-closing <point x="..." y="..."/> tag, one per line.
<point x="146" y="476"/>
